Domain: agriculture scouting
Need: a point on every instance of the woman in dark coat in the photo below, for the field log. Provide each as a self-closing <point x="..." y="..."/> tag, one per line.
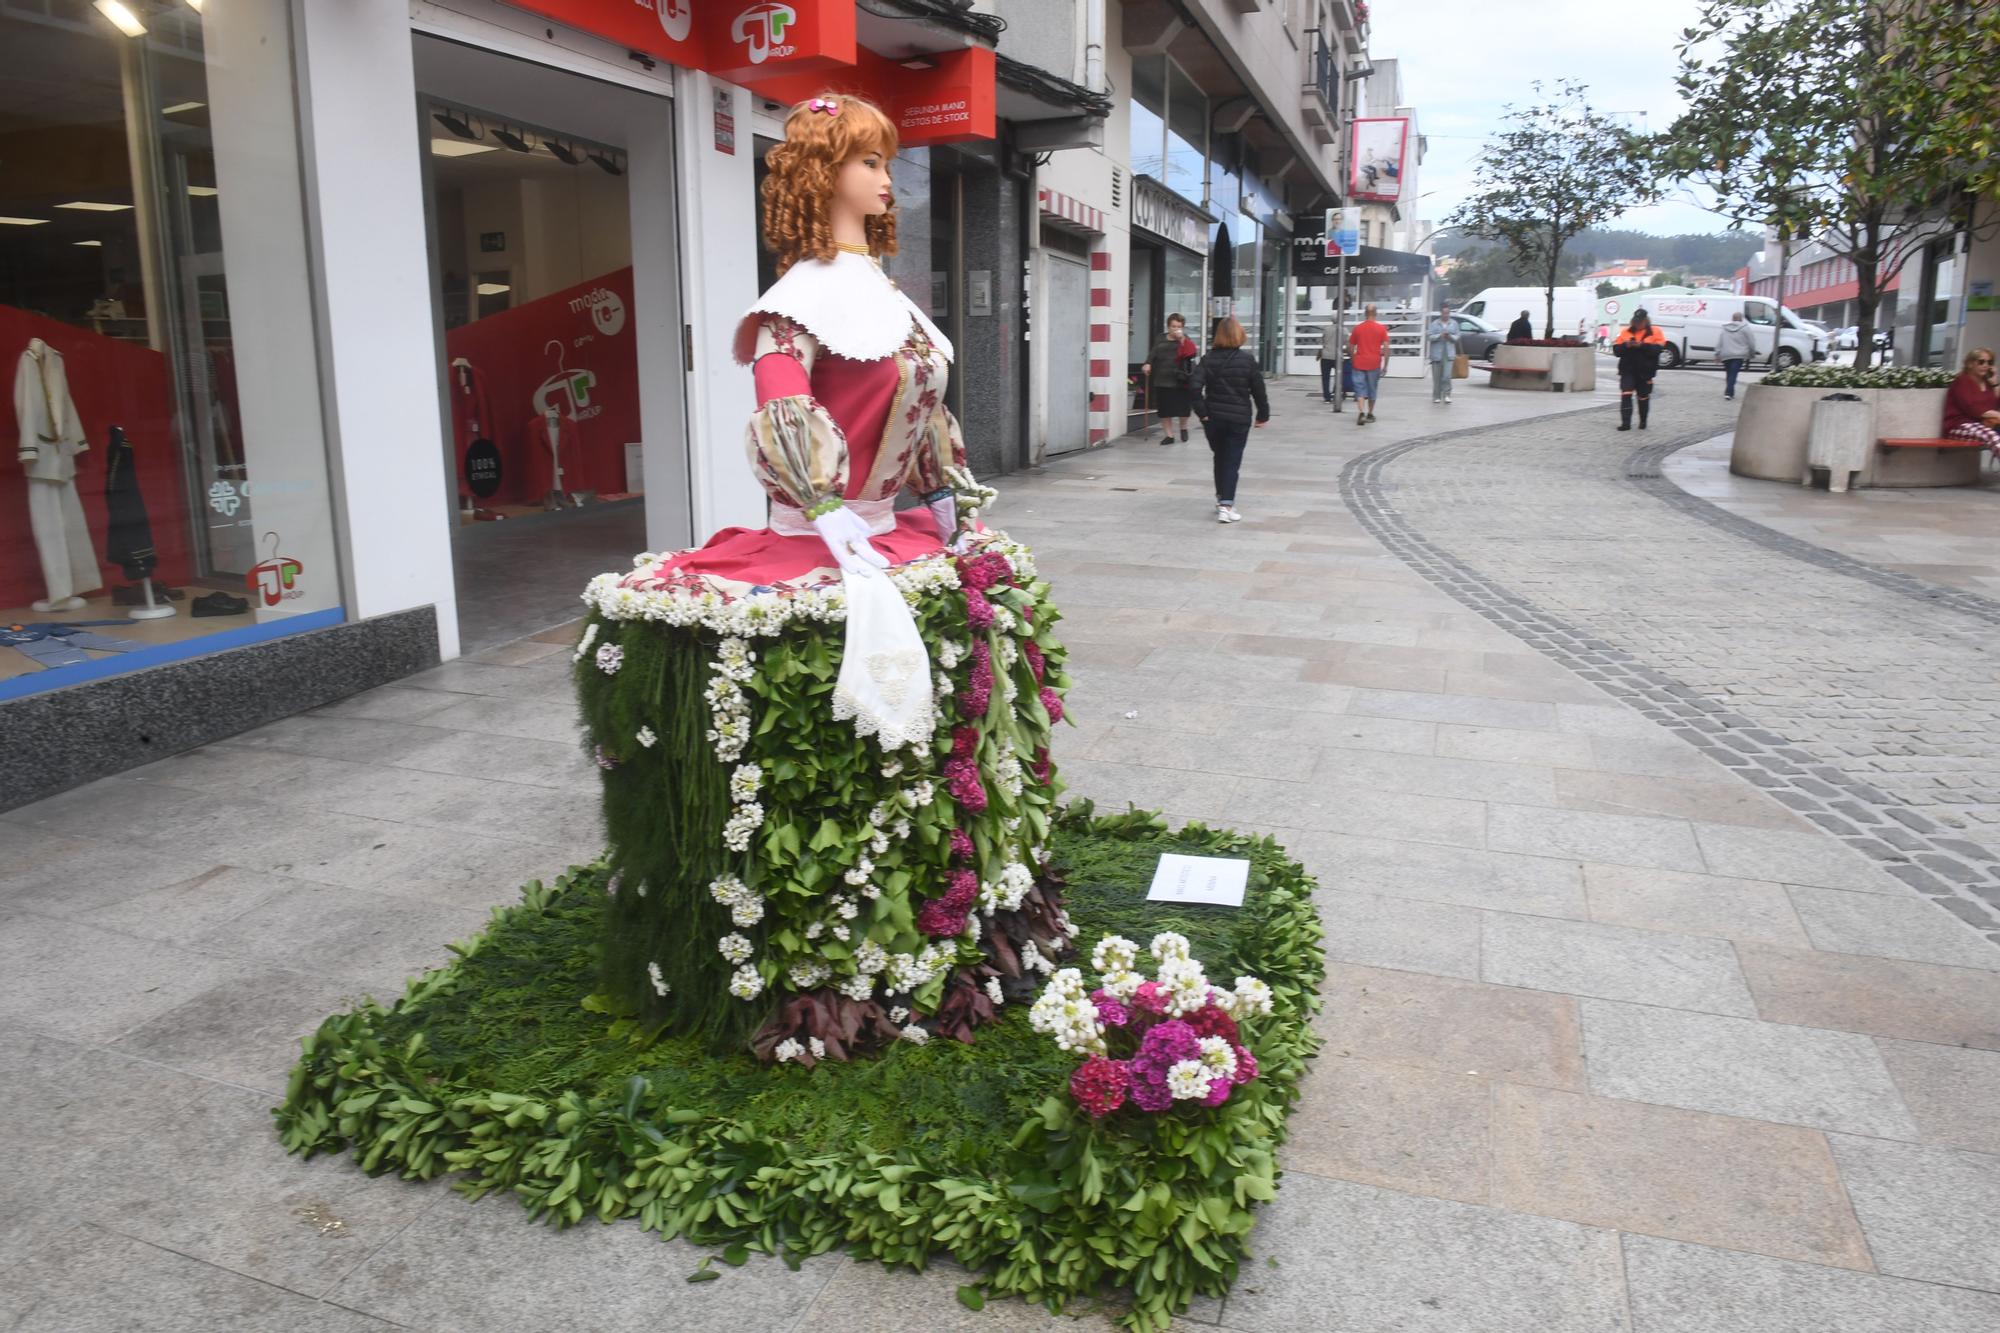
<point x="1638" y="351"/>
<point x="1226" y="387"/>
<point x="1170" y="369"/>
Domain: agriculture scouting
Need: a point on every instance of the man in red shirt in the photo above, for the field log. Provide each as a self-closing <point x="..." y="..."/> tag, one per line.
<point x="1364" y="354"/>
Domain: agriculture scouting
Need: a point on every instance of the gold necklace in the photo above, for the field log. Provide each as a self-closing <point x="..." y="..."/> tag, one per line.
<point x="849" y="249"/>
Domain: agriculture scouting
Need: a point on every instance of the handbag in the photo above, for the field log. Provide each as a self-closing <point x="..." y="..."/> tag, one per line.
<point x="1461" y="367"/>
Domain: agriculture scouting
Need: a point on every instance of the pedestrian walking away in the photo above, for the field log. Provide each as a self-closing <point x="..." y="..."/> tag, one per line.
<point x="1521" y="330"/>
<point x="1169" y="372"/>
<point x="1364" y="353"/>
<point x="1442" y="334"/>
<point x="1638" y="351"/>
<point x="1229" y="398"/>
<point x="1329" y="357"/>
<point x="1971" y="408"/>
<point x="1732" y="348"/>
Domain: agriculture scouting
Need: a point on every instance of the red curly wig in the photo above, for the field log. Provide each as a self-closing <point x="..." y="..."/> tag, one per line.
<point x="798" y="222"/>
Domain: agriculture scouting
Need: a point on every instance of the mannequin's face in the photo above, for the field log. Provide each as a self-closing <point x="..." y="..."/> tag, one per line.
<point x="862" y="188"/>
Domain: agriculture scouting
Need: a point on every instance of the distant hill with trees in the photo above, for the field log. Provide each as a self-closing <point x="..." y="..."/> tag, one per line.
<point x="1487" y="265"/>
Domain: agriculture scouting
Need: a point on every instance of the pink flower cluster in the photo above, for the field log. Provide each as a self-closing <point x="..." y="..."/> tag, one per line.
<point x="978" y="691"/>
<point x="961" y="771"/>
<point x="1053" y="702"/>
<point x="944" y="916"/>
<point x="977" y="573"/>
<point x="1037" y="663"/>
<point x="1104" y="1083"/>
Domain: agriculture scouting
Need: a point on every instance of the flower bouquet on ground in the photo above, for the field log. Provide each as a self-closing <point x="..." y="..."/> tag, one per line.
<point x="1172" y="1042"/>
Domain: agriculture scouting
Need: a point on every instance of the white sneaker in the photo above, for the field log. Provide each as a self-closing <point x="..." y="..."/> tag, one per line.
<point x="1227" y="514"/>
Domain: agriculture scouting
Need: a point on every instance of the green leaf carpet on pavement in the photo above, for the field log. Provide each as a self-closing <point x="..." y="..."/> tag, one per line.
<point x="493" y="1070"/>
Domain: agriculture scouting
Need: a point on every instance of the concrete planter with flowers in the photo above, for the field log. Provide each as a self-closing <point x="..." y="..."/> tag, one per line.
<point x="1775" y="425"/>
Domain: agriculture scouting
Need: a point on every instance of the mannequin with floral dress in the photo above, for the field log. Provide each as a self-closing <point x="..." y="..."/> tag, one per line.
<point x="824" y="742"/>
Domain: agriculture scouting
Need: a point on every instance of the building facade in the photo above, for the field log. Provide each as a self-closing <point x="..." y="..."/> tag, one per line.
<point x="350" y="339"/>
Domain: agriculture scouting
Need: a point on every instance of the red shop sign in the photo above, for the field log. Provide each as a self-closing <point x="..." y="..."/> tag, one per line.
<point x="950" y="102"/>
<point x="729" y="38"/>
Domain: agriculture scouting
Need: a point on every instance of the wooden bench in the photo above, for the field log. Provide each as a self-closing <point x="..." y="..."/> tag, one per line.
<point x="1925" y="442"/>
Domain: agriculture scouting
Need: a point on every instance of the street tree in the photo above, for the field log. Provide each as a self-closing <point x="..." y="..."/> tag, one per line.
<point x="1557" y="167"/>
<point x="1867" y="125"/>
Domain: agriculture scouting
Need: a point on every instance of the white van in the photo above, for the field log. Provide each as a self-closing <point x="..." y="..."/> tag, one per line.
<point x="1501" y="306"/>
<point x="1691" y="323"/>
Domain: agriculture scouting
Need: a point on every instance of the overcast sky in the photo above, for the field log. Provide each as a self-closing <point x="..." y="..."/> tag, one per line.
<point x="1464" y="62"/>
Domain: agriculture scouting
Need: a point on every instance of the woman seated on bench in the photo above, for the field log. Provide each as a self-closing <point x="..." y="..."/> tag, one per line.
<point x="1971" y="408"/>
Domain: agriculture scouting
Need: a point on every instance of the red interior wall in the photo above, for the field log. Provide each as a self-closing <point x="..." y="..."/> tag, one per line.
<point x="113" y="383"/>
<point x="511" y="350"/>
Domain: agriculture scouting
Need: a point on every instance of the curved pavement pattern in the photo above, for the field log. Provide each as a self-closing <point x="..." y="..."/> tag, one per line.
<point x="1864" y="699"/>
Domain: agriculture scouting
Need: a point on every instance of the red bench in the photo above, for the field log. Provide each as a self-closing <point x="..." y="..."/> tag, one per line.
<point x="1915" y="442"/>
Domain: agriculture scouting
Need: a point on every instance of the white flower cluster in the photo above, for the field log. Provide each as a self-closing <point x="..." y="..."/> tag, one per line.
<point x="758" y="613"/>
<point x="950" y="654"/>
<point x="583" y="644"/>
<point x="1008" y="770"/>
<point x="735" y="948"/>
<point x="1218" y="1056"/>
<point x="745" y="984"/>
<point x="744" y="821"/>
<point x="789" y="1049"/>
<point x="908" y="972"/>
<point x="746" y="908"/>
<point x="806" y="975"/>
<point x="746" y="782"/>
<point x="871" y="958"/>
<point x="858" y="988"/>
<point x="1007" y="894"/>
<point x="660" y="986"/>
<point x="915" y="1035"/>
<point x="1032" y="960"/>
<point x="1065" y="1013"/>
<point x="1187" y="1080"/>
<point x="646" y="737"/>
<point x="728" y="707"/>
<point x="1253" y="998"/>
<point x="1185" y="984"/>
<point x="993" y="992"/>
<point x="609" y="658"/>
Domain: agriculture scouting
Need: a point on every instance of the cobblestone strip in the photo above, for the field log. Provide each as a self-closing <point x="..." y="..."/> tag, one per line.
<point x="1956" y="872"/>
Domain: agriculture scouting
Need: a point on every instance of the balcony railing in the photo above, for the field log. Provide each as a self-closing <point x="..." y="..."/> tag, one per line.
<point x="1319" y="100"/>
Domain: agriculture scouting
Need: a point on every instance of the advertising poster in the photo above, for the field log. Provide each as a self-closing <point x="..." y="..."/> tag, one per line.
<point x="1375" y="159"/>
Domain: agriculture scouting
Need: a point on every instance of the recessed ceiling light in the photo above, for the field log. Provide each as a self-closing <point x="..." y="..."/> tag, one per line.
<point x="94" y="244"/>
<point x="23" y="222"/>
<point x="203" y="191"/>
<point x="92" y="206"/>
<point x="493" y="288"/>
<point x="121" y="16"/>
<point x="460" y="148"/>
<point x="180" y="107"/>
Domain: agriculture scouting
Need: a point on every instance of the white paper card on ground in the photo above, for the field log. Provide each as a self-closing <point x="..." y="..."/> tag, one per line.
<point x="1219" y="880"/>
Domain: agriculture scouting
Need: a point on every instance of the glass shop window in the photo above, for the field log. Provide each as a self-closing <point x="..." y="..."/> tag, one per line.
<point x="168" y="494"/>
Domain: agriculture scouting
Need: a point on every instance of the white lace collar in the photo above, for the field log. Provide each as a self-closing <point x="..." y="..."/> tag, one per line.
<point x="847" y="303"/>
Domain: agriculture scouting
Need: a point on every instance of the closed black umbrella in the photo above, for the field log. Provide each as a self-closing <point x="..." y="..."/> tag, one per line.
<point x="128" y="538"/>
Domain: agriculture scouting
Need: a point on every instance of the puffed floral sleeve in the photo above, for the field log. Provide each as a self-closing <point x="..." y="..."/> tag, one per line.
<point x="940" y="447"/>
<point x="797" y="451"/>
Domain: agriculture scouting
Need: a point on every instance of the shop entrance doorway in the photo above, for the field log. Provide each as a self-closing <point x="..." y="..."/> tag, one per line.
<point x="554" y="424"/>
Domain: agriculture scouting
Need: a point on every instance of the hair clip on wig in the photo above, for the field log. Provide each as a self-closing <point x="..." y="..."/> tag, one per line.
<point x="826" y="104"/>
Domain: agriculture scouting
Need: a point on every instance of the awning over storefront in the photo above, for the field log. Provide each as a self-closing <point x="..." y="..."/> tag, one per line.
<point x="1371" y="265"/>
<point x="945" y="97"/>
<point x="1163" y="213"/>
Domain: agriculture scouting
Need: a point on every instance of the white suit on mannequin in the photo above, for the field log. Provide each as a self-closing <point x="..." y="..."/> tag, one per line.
<point x="51" y="438"/>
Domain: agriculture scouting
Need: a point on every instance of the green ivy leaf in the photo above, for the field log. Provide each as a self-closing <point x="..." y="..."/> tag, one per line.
<point x="971" y="1298"/>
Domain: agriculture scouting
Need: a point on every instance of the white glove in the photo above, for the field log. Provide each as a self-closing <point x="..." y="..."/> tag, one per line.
<point x="846" y="535"/>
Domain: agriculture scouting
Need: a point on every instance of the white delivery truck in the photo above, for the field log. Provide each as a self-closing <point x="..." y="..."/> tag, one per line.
<point x="1501" y="306"/>
<point x="1690" y="324"/>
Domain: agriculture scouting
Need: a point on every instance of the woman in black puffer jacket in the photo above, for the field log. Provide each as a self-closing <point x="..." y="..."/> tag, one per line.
<point x="1226" y="386"/>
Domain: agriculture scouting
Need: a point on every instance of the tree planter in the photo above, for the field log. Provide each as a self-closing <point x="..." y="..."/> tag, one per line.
<point x="1773" y="428"/>
<point x="1571" y="369"/>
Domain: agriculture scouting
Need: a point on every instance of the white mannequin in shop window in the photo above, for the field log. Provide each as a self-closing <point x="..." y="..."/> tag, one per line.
<point x="51" y="438"/>
<point x="552" y="419"/>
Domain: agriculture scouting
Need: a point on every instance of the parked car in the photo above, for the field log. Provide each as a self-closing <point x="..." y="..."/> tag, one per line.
<point x="1847" y="341"/>
<point x="1476" y="337"/>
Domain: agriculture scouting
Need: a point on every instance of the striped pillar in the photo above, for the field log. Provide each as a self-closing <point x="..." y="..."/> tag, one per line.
<point x="1106" y="389"/>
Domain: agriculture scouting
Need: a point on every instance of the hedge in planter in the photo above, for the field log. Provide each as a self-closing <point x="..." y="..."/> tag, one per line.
<point x="1847" y="377"/>
<point x="780" y="878"/>
<point x="498" y="1070"/>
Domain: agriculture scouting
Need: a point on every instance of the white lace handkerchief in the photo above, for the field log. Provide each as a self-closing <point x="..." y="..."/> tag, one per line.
<point x="885" y="671"/>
